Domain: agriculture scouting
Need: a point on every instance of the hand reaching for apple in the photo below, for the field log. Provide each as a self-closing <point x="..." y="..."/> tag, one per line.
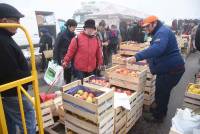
<point x="131" y="60"/>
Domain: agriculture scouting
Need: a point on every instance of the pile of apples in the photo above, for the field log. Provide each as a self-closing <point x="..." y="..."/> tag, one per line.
<point x="120" y="90"/>
<point x="84" y="95"/>
<point x="125" y="71"/>
<point x="101" y="82"/>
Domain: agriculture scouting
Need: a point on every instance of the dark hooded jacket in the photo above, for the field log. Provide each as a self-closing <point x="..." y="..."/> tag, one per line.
<point x="13" y="65"/>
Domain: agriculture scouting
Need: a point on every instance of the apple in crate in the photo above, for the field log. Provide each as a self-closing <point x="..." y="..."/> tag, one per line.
<point x="80" y="92"/>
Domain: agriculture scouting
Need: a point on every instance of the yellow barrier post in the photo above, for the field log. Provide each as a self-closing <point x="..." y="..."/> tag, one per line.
<point x="18" y="83"/>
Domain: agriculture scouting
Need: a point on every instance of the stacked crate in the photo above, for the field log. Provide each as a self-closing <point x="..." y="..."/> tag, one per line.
<point x="119" y="59"/>
<point x="192" y="96"/>
<point x="149" y="95"/>
<point x="131" y="48"/>
<point x="133" y="80"/>
<point x="85" y="117"/>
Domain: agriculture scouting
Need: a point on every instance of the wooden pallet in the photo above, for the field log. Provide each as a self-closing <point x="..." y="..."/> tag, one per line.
<point x="126" y="81"/>
<point x="190" y="105"/>
<point x="82" y="126"/>
<point x="93" y="112"/>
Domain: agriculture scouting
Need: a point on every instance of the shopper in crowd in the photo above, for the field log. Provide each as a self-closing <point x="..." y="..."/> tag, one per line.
<point x="164" y="60"/>
<point x="13" y="67"/>
<point x="61" y="47"/>
<point x="45" y="45"/>
<point x="197" y="38"/>
<point x="123" y="27"/>
<point x="193" y="34"/>
<point x="103" y="36"/>
<point x="114" y="38"/>
<point x="85" y="49"/>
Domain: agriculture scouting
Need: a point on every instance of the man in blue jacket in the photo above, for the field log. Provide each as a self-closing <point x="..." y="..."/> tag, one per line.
<point x="164" y="60"/>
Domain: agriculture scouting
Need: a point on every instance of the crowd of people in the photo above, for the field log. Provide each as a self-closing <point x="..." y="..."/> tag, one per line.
<point x="86" y="53"/>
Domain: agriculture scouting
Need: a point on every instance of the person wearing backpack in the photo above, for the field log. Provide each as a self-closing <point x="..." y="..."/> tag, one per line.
<point x="113" y="40"/>
<point x="197" y="38"/>
<point x="61" y="46"/>
<point x="85" y="49"/>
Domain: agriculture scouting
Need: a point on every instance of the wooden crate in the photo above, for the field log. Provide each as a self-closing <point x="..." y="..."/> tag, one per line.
<point x="149" y="96"/>
<point x="54" y="129"/>
<point x="148" y="102"/>
<point x="150" y="89"/>
<point x="61" y="113"/>
<point x="132" y="46"/>
<point x="120" y="120"/>
<point x="47" y="116"/>
<point x="149" y="75"/>
<point x="127" y="52"/>
<point x="150" y="83"/>
<point x="93" y="112"/>
<point x="122" y="130"/>
<point x="92" y="85"/>
<point x="190" y="105"/>
<point x="192" y="98"/>
<point x="141" y="65"/>
<point x="126" y="81"/>
<point x="118" y="59"/>
<point x="83" y="126"/>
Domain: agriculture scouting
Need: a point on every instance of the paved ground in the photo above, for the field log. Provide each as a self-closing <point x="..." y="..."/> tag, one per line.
<point x="176" y="99"/>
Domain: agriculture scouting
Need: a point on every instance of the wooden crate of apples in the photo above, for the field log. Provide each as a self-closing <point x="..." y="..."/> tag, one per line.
<point x="136" y="102"/>
<point x="192" y="96"/>
<point x="126" y="78"/>
<point x="94" y="81"/>
<point x="119" y="59"/>
<point x="131" y="48"/>
<point x="93" y="104"/>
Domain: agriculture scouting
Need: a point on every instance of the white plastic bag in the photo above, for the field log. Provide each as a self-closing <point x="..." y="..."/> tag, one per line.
<point x="185" y="122"/>
<point x="121" y="99"/>
<point x="54" y="75"/>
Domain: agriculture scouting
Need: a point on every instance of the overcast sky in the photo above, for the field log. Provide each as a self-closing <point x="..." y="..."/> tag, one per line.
<point x="166" y="10"/>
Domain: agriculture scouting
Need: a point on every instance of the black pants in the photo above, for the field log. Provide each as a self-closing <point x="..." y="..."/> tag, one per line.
<point x="67" y="75"/>
<point x="43" y="63"/>
<point x="164" y="85"/>
<point x="105" y="55"/>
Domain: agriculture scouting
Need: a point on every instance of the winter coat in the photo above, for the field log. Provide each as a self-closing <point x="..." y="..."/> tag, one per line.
<point x="197" y="38"/>
<point x="45" y="42"/>
<point x="86" y="53"/>
<point x="61" y="45"/>
<point x="163" y="54"/>
<point x="13" y="63"/>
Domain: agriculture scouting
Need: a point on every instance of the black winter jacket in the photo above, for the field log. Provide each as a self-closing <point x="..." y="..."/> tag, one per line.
<point x="13" y="64"/>
<point x="61" y="45"/>
<point x="197" y="38"/>
<point x="45" y="43"/>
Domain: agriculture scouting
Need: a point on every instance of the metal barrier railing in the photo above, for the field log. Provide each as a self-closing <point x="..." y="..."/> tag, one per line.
<point x="18" y="84"/>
